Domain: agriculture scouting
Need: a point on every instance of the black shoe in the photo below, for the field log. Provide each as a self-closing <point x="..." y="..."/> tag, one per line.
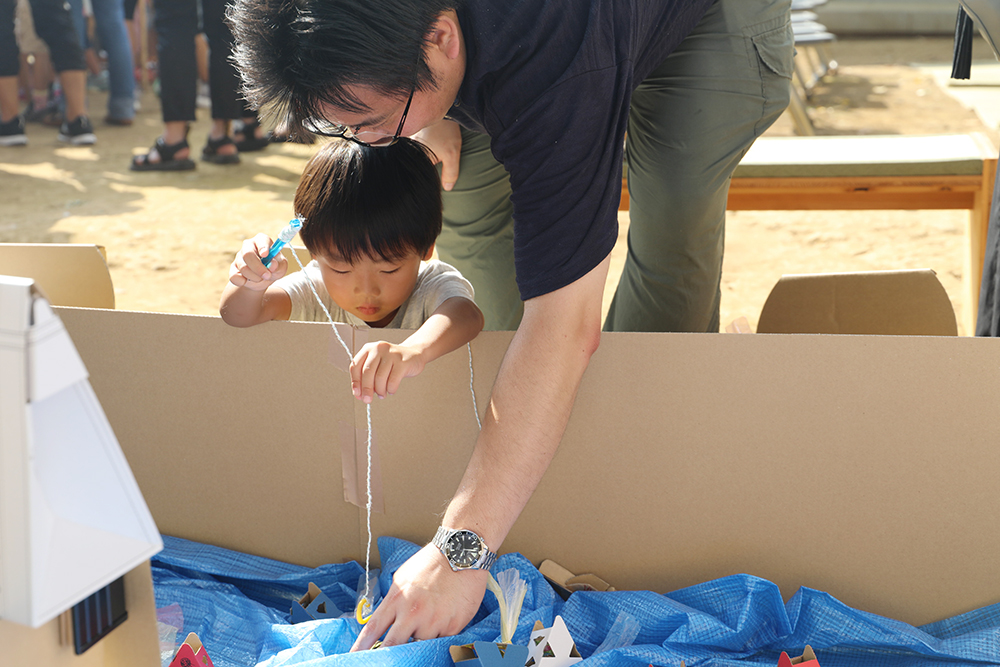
<point x="12" y="132"/>
<point x="78" y="133"/>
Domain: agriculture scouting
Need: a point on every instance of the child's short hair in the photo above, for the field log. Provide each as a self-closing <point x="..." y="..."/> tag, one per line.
<point x="358" y="201"/>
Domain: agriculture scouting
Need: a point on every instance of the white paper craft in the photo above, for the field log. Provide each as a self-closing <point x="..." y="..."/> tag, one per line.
<point x="552" y="647"/>
<point x="72" y="518"/>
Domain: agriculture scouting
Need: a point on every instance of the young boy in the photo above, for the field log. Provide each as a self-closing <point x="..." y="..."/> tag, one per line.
<point x="370" y="218"/>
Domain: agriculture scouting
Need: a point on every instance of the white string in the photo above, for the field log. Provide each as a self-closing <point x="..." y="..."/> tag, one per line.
<point x="368" y="475"/>
<point x="368" y="472"/>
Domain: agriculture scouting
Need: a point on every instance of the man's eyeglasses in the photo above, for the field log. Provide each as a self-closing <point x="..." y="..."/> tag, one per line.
<point x="363" y="137"/>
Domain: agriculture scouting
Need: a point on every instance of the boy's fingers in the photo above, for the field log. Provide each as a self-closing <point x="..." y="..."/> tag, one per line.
<point x="262" y="244"/>
<point x="368" y="378"/>
<point x="253" y="268"/>
<point x="357" y="366"/>
<point x="394" y="380"/>
<point x="382" y="377"/>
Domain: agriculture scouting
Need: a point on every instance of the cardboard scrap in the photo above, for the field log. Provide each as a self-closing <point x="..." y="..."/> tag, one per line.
<point x="191" y="654"/>
<point x="489" y="654"/>
<point x="807" y="659"/>
<point x="552" y="647"/>
<point x="313" y="605"/>
<point x="565" y="582"/>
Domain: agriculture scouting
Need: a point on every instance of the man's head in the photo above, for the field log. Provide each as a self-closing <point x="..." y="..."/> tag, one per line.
<point x="348" y="61"/>
<point x="370" y="215"/>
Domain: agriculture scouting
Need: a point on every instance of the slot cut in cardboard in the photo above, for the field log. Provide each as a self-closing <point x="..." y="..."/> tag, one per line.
<point x="488" y="654"/>
<point x="313" y="605"/>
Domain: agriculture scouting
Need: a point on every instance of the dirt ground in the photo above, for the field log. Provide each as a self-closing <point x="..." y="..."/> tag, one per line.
<point x="171" y="236"/>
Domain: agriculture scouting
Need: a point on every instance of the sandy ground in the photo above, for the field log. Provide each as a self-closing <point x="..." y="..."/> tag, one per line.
<point x="171" y="236"/>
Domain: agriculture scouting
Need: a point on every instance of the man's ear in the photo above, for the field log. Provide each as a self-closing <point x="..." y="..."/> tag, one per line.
<point x="446" y="34"/>
<point x="429" y="253"/>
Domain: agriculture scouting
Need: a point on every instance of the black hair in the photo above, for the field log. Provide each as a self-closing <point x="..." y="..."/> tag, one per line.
<point x="360" y="201"/>
<point x="296" y="56"/>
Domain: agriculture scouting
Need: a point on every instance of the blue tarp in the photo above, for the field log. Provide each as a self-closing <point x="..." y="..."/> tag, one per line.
<point x="239" y="606"/>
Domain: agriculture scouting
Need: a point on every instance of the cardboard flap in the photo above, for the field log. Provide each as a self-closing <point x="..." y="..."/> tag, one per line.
<point x="70" y="274"/>
<point x="909" y="303"/>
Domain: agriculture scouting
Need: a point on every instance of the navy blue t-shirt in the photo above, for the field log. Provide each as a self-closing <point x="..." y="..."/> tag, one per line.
<point x="550" y="81"/>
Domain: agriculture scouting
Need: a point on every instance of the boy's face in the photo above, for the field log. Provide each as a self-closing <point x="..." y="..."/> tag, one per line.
<point x="371" y="289"/>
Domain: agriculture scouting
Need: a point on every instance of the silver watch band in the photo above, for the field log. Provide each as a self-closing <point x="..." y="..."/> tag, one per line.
<point x="486" y="559"/>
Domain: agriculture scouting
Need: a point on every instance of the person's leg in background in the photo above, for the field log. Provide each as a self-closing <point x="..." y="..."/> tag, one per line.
<point x="988" y="318"/>
<point x="478" y="234"/>
<point x="176" y="22"/>
<point x="11" y="122"/>
<point x="37" y="75"/>
<point x="691" y="122"/>
<point x="248" y="133"/>
<point x="54" y="25"/>
<point x="223" y="84"/>
<point x="109" y="20"/>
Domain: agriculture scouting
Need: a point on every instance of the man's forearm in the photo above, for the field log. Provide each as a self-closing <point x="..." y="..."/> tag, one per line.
<point x="531" y="402"/>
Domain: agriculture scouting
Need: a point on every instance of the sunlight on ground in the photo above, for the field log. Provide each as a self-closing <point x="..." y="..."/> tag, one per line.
<point x="45" y="171"/>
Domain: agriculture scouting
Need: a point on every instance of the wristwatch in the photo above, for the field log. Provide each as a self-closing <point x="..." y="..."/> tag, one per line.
<point x="464" y="549"/>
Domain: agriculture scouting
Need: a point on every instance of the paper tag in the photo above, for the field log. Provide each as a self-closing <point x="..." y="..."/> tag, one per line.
<point x="354" y="463"/>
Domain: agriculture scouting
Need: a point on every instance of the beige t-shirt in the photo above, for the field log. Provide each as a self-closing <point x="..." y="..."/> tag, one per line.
<point x="436" y="283"/>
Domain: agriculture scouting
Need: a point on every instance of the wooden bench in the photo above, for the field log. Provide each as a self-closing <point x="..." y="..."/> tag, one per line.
<point x="954" y="171"/>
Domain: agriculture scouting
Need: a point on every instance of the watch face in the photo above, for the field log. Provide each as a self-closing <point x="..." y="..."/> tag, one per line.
<point x="463" y="548"/>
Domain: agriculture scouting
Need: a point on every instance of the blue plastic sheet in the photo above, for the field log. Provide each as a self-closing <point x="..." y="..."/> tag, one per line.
<point x="239" y="606"/>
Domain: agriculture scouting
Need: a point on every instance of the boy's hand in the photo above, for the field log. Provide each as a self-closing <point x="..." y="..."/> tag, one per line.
<point x="248" y="269"/>
<point x="380" y="367"/>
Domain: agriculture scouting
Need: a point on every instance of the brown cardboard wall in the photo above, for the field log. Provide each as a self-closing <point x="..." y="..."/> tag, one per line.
<point x="134" y="643"/>
<point x="859" y="465"/>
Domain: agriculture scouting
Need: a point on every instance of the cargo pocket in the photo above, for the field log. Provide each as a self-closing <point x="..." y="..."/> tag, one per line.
<point x="775" y="52"/>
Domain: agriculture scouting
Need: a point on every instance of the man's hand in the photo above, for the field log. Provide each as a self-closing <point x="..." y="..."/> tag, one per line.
<point x="248" y="269"/>
<point x="380" y="367"/>
<point x="445" y="139"/>
<point x="530" y="405"/>
<point x="426" y="600"/>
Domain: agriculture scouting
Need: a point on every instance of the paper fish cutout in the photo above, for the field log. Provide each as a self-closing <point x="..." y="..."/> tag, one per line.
<point x="313" y="605"/>
<point x="489" y="654"/>
<point x="191" y="654"/>
<point x="552" y="647"/>
<point x="807" y="659"/>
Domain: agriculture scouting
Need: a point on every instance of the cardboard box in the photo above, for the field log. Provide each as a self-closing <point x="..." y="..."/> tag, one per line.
<point x="910" y="303"/>
<point x="687" y="457"/>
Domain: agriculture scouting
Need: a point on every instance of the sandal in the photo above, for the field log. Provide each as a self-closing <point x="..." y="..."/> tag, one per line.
<point x="211" y="151"/>
<point x="168" y="161"/>
<point x="250" y="141"/>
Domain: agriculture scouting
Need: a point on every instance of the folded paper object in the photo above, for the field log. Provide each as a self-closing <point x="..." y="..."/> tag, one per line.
<point x="73" y="519"/>
<point x="191" y="653"/>
<point x="807" y="659"/>
<point x="489" y="654"/>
